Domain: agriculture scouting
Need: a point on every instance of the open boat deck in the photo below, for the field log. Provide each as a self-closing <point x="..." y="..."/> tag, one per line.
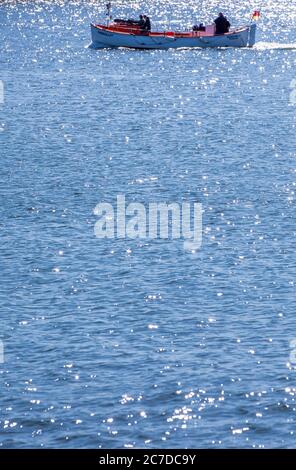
<point x="135" y="30"/>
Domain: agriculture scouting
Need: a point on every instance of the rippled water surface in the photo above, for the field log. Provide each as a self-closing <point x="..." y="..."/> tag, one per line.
<point x="138" y="343"/>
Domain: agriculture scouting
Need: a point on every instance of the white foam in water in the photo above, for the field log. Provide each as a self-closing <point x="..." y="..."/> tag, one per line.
<point x="261" y="46"/>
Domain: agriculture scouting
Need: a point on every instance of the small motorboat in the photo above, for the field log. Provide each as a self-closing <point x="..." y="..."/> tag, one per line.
<point x="128" y="33"/>
<point x="113" y="36"/>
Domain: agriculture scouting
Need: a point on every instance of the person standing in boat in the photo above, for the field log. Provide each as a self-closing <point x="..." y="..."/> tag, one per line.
<point x="222" y="24"/>
<point x="147" y="25"/>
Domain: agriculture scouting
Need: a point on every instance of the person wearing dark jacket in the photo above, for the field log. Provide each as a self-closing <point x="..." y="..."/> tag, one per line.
<point x="141" y="23"/>
<point x="222" y="24"/>
<point x="147" y="25"/>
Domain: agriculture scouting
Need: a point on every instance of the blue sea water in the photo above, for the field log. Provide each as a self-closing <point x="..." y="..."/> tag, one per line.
<point x="138" y="343"/>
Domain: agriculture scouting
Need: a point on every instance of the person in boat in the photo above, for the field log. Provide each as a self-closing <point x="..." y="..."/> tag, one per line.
<point x="222" y="24"/>
<point x="141" y="23"/>
<point x="147" y="25"/>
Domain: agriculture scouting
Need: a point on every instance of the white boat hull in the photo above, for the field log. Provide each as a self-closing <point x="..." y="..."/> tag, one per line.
<point x="102" y="38"/>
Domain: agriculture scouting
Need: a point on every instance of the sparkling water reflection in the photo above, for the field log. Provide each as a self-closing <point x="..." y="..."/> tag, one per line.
<point x="123" y="343"/>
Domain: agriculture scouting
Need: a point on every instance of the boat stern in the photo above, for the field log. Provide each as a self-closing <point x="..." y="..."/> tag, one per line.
<point x="252" y="35"/>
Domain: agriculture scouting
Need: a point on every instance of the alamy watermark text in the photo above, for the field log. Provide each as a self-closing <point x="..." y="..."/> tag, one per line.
<point x="155" y="220"/>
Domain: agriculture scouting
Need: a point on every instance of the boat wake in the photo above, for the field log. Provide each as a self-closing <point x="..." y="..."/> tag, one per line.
<point x="262" y="46"/>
